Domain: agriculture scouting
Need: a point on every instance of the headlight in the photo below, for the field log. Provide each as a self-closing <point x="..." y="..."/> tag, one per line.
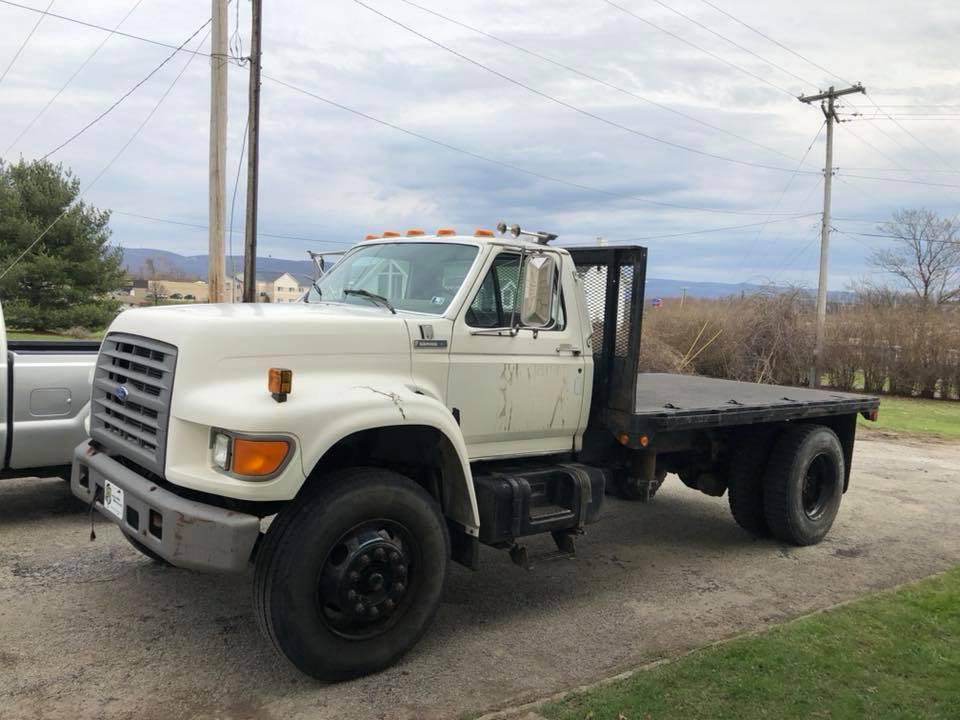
<point x="249" y="457"/>
<point x="221" y="450"/>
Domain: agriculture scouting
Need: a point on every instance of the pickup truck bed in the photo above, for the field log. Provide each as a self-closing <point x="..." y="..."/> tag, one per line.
<point x="672" y="402"/>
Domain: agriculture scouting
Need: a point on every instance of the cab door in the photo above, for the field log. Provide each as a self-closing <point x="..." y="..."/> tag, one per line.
<point x="515" y="394"/>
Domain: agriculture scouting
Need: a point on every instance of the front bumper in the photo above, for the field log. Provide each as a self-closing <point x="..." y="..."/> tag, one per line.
<point x="186" y="533"/>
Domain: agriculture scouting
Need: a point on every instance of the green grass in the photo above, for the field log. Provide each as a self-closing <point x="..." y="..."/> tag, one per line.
<point x="939" y="417"/>
<point x="891" y="655"/>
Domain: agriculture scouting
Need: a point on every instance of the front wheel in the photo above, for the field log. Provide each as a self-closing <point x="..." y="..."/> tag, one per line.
<point x="349" y="577"/>
<point x="804" y="484"/>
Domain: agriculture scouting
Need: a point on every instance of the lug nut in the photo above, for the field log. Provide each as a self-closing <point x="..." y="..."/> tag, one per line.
<point x="354" y="576"/>
<point x="401" y="570"/>
<point x="359" y="608"/>
<point x="399" y="587"/>
<point x="394" y="556"/>
<point x="364" y="560"/>
<point x="352" y="595"/>
<point x="388" y="605"/>
<point x="374" y="612"/>
<point x="380" y="554"/>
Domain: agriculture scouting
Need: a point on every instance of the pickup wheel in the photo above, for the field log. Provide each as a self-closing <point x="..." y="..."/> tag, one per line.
<point x="803" y="484"/>
<point x="745" y="486"/>
<point x="350" y="575"/>
<point x="144" y="550"/>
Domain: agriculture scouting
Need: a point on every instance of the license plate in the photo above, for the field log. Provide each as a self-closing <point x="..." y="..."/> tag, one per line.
<point x="113" y="499"/>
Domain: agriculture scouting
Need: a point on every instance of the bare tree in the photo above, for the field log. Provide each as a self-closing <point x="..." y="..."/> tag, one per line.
<point x="926" y="254"/>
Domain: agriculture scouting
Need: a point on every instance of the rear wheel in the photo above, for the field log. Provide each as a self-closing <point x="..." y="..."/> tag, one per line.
<point x="348" y="578"/>
<point x="803" y="484"/>
<point x="745" y="486"/>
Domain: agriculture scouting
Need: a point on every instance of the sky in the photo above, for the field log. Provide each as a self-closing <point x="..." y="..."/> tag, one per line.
<point x="648" y="134"/>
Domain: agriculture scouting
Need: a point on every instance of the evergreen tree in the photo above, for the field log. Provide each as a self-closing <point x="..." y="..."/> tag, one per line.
<point x="65" y="280"/>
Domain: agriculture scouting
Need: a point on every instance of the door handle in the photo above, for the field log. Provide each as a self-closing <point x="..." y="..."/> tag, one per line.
<point x="567" y="347"/>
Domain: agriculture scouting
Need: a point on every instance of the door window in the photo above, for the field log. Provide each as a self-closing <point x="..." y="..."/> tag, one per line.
<point x="495" y="301"/>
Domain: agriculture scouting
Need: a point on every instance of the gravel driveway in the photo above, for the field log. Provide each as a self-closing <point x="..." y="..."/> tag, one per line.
<point x="91" y="629"/>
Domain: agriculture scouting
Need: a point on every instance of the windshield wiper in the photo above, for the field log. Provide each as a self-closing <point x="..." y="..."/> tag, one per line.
<point x="316" y="286"/>
<point x="379" y="299"/>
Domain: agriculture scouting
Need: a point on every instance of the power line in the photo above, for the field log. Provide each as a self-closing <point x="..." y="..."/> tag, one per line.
<point x="897" y="237"/>
<point x="502" y="163"/>
<point x="45" y="13"/>
<point x="698" y="48"/>
<point x="594" y="78"/>
<point x="238" y="231"/>
<point x="233" y="203"/>
<point x="106" y="167"/>
<point x="920" y="142"/>
<point x="24" y="43"/>
<point x="901" y="180"/>
<point x="786" y="187"/>
<point x="127" y="94"/>
<point x="776" y="42"/>
<point x="70" y="79"/>
<point x="734" y="43"/>
<point x="713" y="230"/>
<point x="567" y="105"/>
<point x="870" y="98"/>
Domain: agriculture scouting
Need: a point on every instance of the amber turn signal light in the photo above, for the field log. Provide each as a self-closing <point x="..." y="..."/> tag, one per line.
<point x="391" y="233"/>
<point x="280" y="383"/>
<point x="256" y="458"/>
<point x="446" y="232"/>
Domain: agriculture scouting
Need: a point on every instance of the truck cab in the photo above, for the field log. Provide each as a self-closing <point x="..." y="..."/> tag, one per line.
<point x="429" y="395"/>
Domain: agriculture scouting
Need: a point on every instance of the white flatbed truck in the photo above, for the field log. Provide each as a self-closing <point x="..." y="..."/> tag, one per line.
<point x="429" y="395"/>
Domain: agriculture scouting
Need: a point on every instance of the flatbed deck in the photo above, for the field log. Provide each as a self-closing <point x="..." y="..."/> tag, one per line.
<point x="669" y="402"/>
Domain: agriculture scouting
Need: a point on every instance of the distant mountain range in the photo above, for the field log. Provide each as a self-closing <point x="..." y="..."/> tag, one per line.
<point x="195" y="266"/>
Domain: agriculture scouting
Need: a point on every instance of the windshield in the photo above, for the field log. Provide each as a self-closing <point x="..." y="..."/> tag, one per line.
<point x="420" y="277"/>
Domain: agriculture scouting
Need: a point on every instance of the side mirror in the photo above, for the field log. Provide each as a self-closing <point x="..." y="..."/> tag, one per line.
<point x="539" y="286"/>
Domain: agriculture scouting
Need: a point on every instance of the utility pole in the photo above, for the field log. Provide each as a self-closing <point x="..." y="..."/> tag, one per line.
<point x="829" y="112"/>
<point x="253" y="157"/>
<point x="218" y="150"/>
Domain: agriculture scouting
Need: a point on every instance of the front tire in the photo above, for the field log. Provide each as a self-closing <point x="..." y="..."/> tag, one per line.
<point x="350" y="575"/>
<point x="804" y="484"/>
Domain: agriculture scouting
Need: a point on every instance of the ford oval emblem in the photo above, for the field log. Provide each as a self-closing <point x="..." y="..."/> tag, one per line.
<point x="121" y="393"/>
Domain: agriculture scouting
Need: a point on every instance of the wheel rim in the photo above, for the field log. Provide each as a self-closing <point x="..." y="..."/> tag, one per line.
<point x="819" y="485"/>
<point x="367" y="580"/>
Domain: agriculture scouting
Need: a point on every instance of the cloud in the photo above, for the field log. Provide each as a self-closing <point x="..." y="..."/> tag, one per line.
<point x="331" y="175"/>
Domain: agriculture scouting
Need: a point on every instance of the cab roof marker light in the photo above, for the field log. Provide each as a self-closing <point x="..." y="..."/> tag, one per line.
<point x="446" y="232"/>
<point x="390" y="233"/>
<point x="481" y="232"/>
<point x="372" y="236"/>
<point x="414" y="232"/>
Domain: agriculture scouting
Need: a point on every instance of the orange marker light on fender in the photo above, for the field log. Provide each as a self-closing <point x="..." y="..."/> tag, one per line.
<point x="391" y="233"/>
<point x="446" y="232"/>
<point x="256" y="458"/>
<point x="280" y="383"/>
<point x="480" y="232"/>
<point x="414" y="232"/>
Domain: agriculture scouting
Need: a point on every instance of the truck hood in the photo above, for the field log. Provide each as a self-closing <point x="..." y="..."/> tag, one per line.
<point x="274" y="330"/>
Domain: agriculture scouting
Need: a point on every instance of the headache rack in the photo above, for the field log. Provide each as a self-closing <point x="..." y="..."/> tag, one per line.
<point x="613" y="280"/>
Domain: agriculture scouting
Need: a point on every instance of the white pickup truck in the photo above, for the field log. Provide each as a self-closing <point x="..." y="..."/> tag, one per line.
<point x="430" y="394"/>
<point x="44" y="398"/>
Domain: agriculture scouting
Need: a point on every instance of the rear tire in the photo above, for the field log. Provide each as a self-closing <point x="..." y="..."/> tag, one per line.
<point x="349" y="576"/>
<point x="745" y="486"/>
<point x="803" y="484"/>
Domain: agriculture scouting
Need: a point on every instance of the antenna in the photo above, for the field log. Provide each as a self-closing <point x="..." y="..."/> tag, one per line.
<point x="541" y="237"/>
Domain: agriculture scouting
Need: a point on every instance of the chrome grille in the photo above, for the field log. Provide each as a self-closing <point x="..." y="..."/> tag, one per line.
<point x="131" y="398"/>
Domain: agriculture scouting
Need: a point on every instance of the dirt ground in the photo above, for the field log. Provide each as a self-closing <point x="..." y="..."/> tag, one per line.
<point x="93" y="630"/>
